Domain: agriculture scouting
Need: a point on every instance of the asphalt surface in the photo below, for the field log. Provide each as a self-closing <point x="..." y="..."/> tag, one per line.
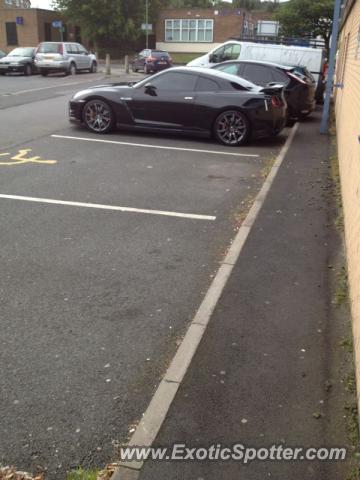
<point x="268" y="370"/>
<point x="94" y="302"/>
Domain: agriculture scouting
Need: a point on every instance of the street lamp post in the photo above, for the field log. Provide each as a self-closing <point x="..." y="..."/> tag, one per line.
<point x="147" y="22"/>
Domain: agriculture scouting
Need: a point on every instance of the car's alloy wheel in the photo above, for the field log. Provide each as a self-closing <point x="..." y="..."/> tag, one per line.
<point x="232" y="128"/>
<point x="93" y="68"/>
<point x="98" y="116"/>
<point x="27" y="70"/>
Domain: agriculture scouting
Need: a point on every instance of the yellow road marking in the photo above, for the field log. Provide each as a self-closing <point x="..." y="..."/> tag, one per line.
<point x="21" y="158"/>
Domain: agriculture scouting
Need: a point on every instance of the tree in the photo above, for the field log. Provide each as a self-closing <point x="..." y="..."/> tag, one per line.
<point x="306" y="18"/>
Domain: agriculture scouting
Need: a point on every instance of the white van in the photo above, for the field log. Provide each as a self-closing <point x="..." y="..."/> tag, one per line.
<point x="312" y="58"/>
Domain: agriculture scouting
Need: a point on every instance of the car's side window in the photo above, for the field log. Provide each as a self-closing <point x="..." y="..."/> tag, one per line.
<point x="258" y="74"/>
<point x="229" y="68"/>
<point x="231" y="52"/>
<point x="82" y="50"/>
<point x="280" y="77"/>
<point x="206" y="85"/>
<point x="175" y="81"/>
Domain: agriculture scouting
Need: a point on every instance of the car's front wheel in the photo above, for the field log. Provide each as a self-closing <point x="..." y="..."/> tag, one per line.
<point x="93" y="68"/>
<point x="98" y="116"/>
<point x="133" y="68"/>
<point x="232" y="128"/>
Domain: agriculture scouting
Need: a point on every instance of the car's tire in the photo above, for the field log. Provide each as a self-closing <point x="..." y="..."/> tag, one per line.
<point x="27" y="70"/>
<point x="71" y="70"/>
<point x="2" y="73"/>
<point x="93" y="68"/>
<point x="98" y="116"/>
<point x="232" y="128"/>
<point x="133" y="68"/>
<point x="44" y="73"/>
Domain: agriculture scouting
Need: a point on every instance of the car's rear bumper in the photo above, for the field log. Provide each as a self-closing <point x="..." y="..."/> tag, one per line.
<point x="52" y="66"/>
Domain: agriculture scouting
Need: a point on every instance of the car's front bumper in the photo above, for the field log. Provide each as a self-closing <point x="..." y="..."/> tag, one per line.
<point x="75" y="111"/>
<point x="12" y="68"/>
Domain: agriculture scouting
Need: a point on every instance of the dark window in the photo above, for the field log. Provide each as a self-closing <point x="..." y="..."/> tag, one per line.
<point x="78" y="34"/>
<point x="11" y="33"/>
<point x="65" y="33"/>
<point x="175" y="81"/>
<point x="72" y="48"/>
<point x="82" y="50"/>
<point x="158" y="54"/>
<point x="280" y="76"/>
<point x="207" y="85"/>
<point x="47" y="31"/>
<point x="258" y="74"/>
<point x="50" y="48"/>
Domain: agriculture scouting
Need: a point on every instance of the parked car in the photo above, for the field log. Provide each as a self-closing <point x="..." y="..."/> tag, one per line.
<point x="312" y="58"/>
<point x="185" y="100"/>
<point x="67" y="57"/>
<point x="20" y="59"/>
<point x="151" y="61"/>
<point x="2" y="54"/>
<point x="300" y="85"/>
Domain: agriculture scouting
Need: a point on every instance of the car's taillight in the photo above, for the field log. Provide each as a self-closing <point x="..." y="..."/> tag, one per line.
<point x="295" y="77"/>
<point x="276" y="102"/>
<point x="169" y="59"/>
<point x="61" y="49"/>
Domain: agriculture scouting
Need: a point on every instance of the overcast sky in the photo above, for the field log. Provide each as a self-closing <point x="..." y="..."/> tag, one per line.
<point x="41" y="4"/>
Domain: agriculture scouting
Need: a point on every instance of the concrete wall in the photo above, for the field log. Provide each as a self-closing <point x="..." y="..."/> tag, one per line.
<point x="348" y="131"/>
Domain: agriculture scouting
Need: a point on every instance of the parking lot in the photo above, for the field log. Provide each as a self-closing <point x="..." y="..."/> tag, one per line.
<point x="108" y="246"/>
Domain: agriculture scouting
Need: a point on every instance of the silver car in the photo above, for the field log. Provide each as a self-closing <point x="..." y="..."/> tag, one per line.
<point x="67" y="57"/>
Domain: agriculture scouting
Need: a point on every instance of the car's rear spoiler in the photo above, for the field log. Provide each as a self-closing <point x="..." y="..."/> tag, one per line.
<point x="273" y="88"/>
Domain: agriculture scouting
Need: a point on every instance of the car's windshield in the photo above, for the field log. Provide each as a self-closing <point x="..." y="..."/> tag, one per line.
<point x="49" y="48"/>
<point x="21" y="52"/>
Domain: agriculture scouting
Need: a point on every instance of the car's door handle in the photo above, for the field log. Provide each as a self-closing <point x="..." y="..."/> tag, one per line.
<point x="126" y="99"/>
<point x="188" y="98"/>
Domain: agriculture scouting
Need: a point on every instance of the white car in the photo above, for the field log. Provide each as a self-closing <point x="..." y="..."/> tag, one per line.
<point x="67" y="57"/>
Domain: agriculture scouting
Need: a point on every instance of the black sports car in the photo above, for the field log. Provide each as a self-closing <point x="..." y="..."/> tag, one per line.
<point x="186" y="100"/>
<point x="300" y="85"/>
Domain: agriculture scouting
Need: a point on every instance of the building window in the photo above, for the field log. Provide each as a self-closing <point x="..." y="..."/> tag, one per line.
<point x="185" y="30"/>
<point x="11" y="33"/>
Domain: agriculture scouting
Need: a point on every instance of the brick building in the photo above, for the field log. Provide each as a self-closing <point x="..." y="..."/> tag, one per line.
<point x="23" y="26"/>
<point x="347" y="108"/>
<point x="200" y="30"/>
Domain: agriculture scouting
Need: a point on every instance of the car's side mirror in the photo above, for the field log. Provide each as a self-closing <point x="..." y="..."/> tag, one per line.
<point x="150" y="89"/>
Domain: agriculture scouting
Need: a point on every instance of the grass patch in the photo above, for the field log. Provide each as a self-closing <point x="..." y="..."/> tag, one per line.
<point x="335" y="178"/>
<point x="341" y="294"/>
<point x="184" y="58"/>
<point x="82" y="474"/>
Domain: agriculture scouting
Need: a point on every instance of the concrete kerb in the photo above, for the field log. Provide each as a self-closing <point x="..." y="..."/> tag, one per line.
<point x="158" y="408"/>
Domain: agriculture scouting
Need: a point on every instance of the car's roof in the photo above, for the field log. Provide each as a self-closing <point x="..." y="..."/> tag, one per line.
<point x="260" y="62"/>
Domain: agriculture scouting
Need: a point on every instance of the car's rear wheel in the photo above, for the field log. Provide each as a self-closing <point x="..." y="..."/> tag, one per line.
<point x="27" y="70"/>
<point x="44" y="73"/>
<point x="71" y="70"/>
<point x="232" y="128"/>
<point x="98" y="116"/>
<point x="93" y="68"/>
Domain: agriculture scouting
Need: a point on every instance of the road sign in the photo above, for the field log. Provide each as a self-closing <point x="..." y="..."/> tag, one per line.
<point x="19" y="20"/>
<point x="147" y="27"/>
<point x="57" y="24"/>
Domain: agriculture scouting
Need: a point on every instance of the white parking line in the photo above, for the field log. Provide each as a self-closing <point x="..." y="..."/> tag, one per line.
<point x="20" y="92"/>
<point x="146" y="211"/>
<point x="162" y="147"/>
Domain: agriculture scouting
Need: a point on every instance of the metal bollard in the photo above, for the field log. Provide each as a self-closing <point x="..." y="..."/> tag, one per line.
<point x="107" y="65"/>
<point x="127" y="64"/>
